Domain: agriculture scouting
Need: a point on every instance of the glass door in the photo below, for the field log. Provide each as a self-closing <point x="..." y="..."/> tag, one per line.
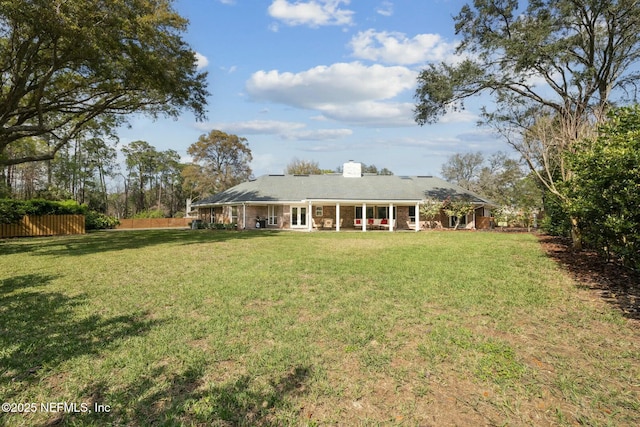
<point x="298" y="216"/>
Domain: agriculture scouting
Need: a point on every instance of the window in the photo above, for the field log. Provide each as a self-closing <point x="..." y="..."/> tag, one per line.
<point x="319" y="211"/>
<point x="412" y="214"/>
<point x="383" y="212"/>
<point x="272" y="215"/>
<point x="359" y="212"/>
<point x="453" y="219"/>
<point x="234" y="214"/>
<point x="379" y="211"/>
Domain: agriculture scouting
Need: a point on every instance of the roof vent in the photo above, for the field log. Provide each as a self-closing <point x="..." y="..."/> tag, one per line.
<point x="352" y="169"/>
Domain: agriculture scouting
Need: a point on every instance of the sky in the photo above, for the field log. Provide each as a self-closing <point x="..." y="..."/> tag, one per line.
<point x="326" y="81"/>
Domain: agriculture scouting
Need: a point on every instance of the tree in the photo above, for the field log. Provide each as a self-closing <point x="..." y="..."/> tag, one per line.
<point x="66" y="64"/>
<point x="168" y="180"/>
<point x="606" y="187"/>
<point x="303" y="167"/>
<point x="430" y="209"/>
<point x="463" y="169"/>
<point x="498" y="177"/>
<point x="80" y="170"/>
<point x="220" y="161"/>
<point x="371" y="169"/>
<point x="552" y="69"/>
<point x="24" y="180"/>
<point x="457" y="209"/>
<point x="141" y="160"/>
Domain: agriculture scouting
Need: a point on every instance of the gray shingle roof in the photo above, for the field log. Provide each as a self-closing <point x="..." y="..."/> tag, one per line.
<point x="297" y="188"/>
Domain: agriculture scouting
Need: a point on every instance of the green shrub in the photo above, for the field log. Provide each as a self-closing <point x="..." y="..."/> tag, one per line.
<point x="99" y="221"/>
<point x="12" y="211"/>
<point x="555" y="220"/>
<point x="154" y="213"/>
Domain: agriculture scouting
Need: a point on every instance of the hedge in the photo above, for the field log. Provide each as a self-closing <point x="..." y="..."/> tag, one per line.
<point x="12" y="211"/>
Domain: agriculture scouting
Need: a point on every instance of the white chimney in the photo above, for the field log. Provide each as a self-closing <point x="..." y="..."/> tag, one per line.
<point x="352" y="169"/>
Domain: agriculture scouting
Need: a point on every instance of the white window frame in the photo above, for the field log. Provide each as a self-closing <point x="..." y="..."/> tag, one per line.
<point x="272" y="215"/>
<point x="301" y="218"/>
<point x="412" y="218"/>
<point x="234" y="214"/>
<point x="463" y="221"/>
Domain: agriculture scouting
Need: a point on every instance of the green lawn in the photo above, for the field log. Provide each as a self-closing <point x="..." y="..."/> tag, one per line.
<point x="265" y="328"/>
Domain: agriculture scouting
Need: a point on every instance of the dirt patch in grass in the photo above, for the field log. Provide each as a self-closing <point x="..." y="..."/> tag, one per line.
<point x="611" y="282"/>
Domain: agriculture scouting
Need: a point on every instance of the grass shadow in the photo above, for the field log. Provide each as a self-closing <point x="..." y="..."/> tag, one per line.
<point x="40" y="330"/>
<point x="616" y="284"/>
<point x="186" y="399"/>
<point x="115" y="240"/>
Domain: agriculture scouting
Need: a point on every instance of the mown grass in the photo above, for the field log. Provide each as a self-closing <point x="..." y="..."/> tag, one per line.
<point x="261" y="328"/>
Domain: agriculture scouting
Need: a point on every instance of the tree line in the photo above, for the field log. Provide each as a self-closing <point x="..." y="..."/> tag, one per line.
<point x="310" y="167"/>
<point x="150" y="182"/>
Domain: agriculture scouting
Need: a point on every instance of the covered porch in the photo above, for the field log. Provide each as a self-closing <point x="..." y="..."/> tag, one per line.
<point x="331" y="215"/>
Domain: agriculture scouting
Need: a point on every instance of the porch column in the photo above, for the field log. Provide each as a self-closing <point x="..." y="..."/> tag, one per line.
<point x="475" y="226"/>
<point x="364" y="217"/>
<point x="337" y="216"/>
<point x="418" y="216"/>
<point x="309" y="223"/>
<point x="244" y="216"/>
<point x="391" y="217"/>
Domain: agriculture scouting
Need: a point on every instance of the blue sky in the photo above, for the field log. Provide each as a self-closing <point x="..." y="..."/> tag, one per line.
<point x="322" y="80"/>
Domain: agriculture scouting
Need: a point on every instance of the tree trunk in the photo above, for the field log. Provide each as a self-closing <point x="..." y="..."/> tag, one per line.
<point x="576" y="234"/>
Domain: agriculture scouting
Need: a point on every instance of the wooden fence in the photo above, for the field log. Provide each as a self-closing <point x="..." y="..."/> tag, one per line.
<point x="483" y="222"/>
<point x="155" y="223"/>
<point x="46" y="225"/>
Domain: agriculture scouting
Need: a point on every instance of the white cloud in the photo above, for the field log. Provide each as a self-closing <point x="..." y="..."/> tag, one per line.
<point x="313" y="13"/>
<point x="253" y="127"/>
<point x="428" y="142"/>
<point x="201" y="61"/>
<point x="347" y="92"/>
<point x="285" y="130"/>
<point x="373" y="113"/>
<point x="267" y="163"/>
<point x="230" y="70"/>
<point x="397" y="48"/>
<point x="319" y="134"/>
<point x="274" y="27"/>
<point x="463" y="116"/>
<point x="342" y="83"/>
<point x="385" y="8"/>
<point x="227" y="1"/>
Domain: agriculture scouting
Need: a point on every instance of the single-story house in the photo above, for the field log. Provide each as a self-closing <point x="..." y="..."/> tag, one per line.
<point x="350" y="200"/>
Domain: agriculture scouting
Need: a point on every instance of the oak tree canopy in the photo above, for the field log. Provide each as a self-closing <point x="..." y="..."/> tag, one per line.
<point x="67" y="63"/>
